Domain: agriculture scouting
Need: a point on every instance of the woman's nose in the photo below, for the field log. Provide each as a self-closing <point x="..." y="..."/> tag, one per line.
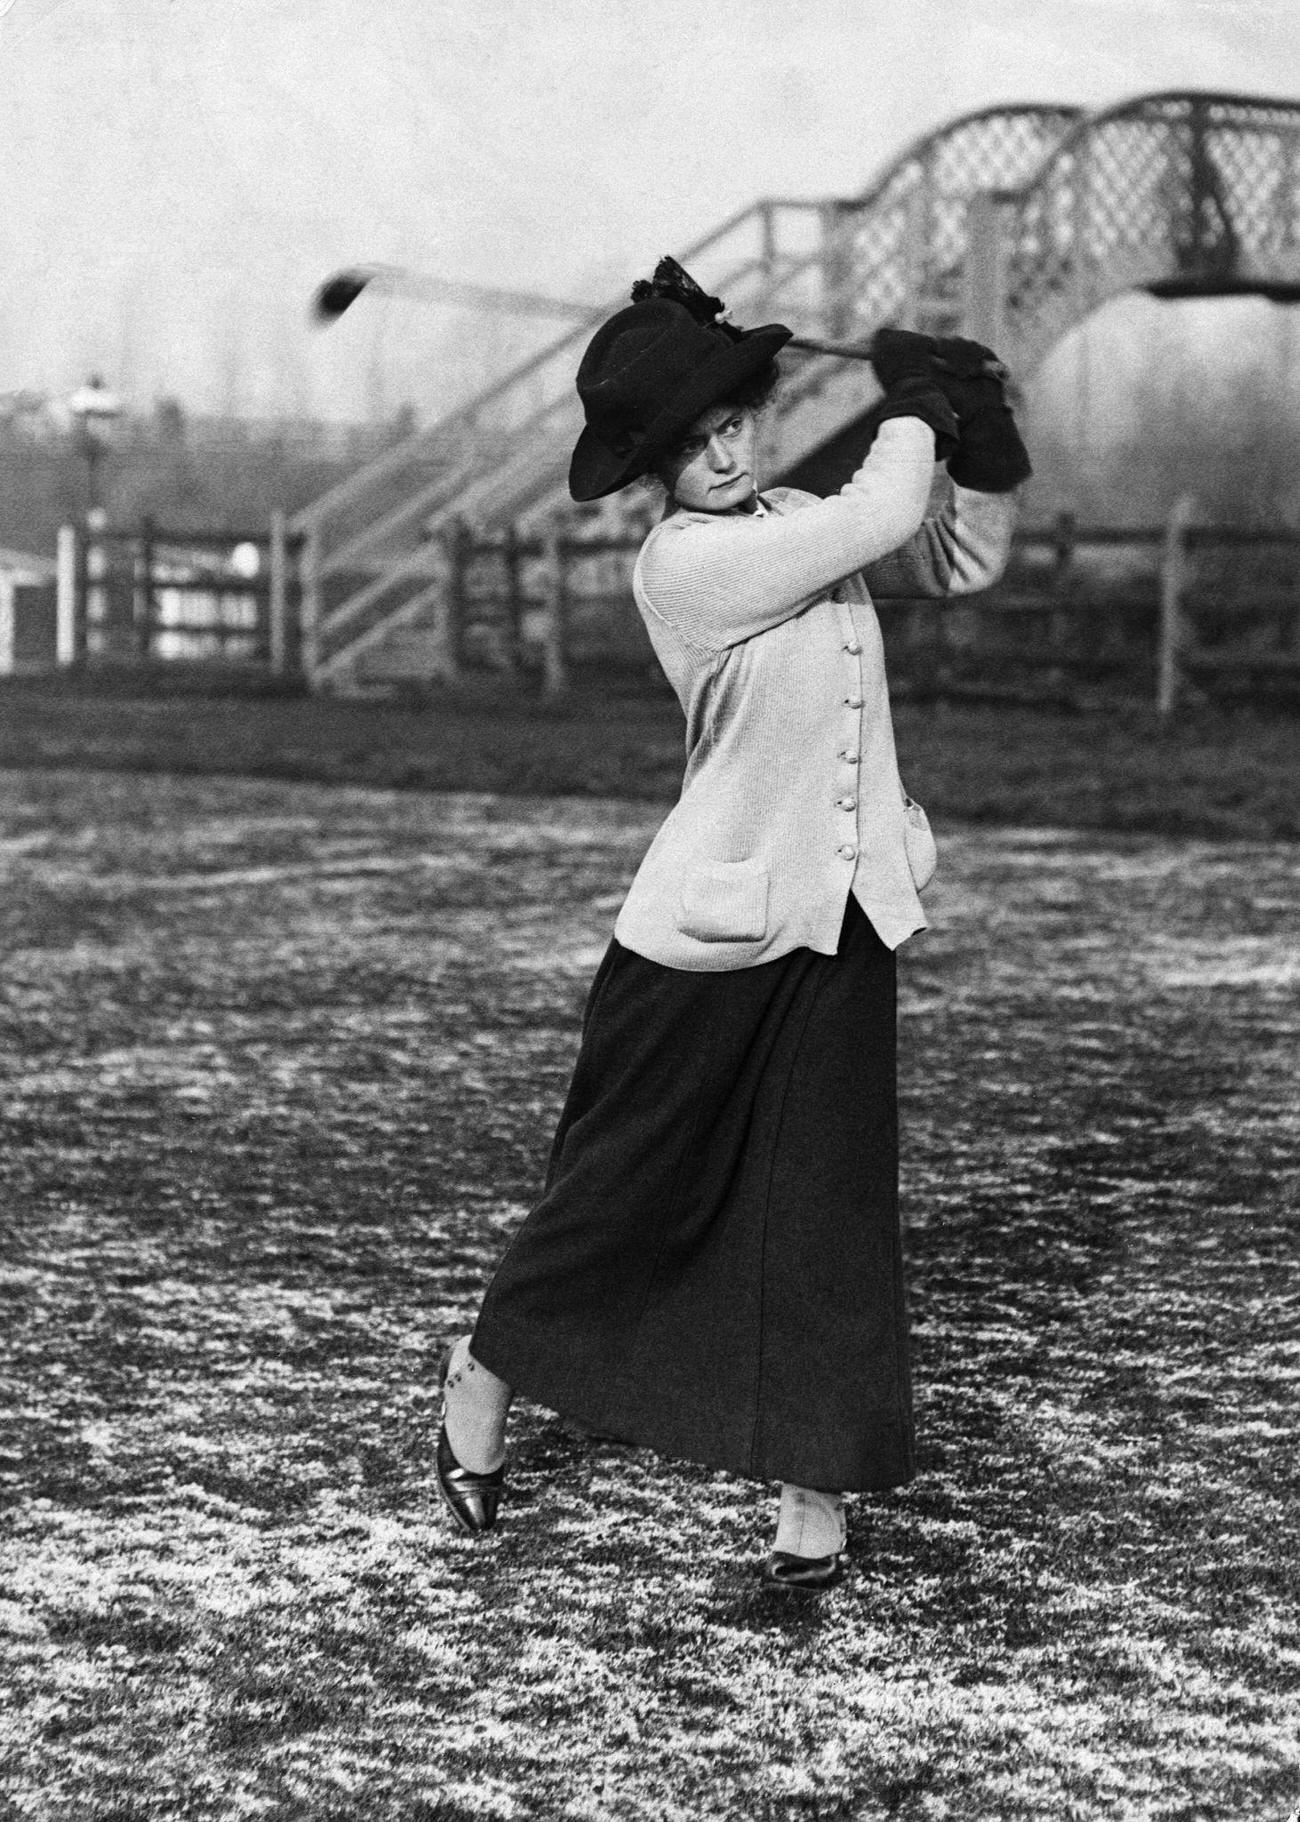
<point x="719" y="453"/>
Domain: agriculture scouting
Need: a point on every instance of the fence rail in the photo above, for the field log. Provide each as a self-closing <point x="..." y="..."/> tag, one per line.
<point x="1170" y="612"/>
<point x="145" y="593"/>
<point x="1080" y="604"/>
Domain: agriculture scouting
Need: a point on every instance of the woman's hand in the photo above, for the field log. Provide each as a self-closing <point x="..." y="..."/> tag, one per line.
<point x="905" y="366"/>
<point x="917" y="398"/>
<point x="990" y="456"/>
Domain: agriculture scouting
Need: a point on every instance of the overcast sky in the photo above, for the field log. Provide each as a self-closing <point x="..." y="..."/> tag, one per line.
<point x="179" y="174"/>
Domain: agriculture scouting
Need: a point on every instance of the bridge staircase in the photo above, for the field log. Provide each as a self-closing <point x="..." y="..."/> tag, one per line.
<point x="1011" y="224"/>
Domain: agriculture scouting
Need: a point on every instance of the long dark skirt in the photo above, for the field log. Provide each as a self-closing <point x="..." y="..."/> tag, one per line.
<point x="714" y="1270"/>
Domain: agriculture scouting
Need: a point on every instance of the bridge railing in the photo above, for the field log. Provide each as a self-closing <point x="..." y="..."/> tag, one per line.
<point x="1010" y="224"/>
<point x="1178" y="194"/>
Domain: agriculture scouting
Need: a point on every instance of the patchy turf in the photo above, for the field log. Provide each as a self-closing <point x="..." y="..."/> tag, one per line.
<point x="279" y="1065"/>
<point x="1206" y="772"/>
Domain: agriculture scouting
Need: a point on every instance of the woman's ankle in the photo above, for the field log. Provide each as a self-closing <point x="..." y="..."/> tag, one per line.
<point x="476" y="1404"/>
<point x="810" y="1523"/>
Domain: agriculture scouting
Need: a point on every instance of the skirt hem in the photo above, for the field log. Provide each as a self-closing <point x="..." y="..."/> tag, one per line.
<point x="886" y="1443"/>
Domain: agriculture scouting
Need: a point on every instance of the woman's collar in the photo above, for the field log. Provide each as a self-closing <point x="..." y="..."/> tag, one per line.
<point x="672" y="508"/>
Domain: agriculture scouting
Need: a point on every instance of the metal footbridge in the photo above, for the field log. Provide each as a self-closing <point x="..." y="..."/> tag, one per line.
<point x="1011" y="225"/>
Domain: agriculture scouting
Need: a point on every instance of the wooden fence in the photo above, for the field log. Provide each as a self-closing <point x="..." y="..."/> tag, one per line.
<point x="1169" y="613"/>
<point x="147" y="594"/>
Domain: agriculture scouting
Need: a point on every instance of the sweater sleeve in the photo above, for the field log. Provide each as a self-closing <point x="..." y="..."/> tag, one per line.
<point x="719" y="581"/>
<point x="961" y="547"/>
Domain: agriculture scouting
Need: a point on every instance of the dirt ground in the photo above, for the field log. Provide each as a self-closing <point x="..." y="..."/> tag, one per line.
<point x="278" y="1067"/>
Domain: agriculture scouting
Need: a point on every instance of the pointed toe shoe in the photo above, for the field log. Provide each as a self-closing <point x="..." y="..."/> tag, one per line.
<point x="472" y="1499"/>
<point x="802" y="1574"/>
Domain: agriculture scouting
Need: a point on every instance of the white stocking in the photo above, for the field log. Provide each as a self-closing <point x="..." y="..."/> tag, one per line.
<point x="810" y="1523"/>
<point x="477" y="1405"/>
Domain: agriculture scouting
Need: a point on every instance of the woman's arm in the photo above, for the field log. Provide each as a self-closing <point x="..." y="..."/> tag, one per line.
<point x="719" y="581"/>
<point x="958" y="550"/>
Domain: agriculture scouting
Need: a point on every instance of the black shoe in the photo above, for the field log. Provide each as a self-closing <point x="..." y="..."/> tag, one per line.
<point x="472" y="1499"/>
<point x="802" y="1574"/>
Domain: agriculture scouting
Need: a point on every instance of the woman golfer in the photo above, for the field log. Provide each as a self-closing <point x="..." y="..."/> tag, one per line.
<point x="714" y="1270"/>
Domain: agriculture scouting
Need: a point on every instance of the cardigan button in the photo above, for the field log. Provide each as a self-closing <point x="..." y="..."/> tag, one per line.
<point x="851" y="645"/>
<point x="847" y="851"/>
<point x="848" y="755"/>
<point x="847" y="803"/>
<point x="853" y="702"/>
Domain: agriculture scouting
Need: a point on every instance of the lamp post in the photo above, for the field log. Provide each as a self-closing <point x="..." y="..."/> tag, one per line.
<point x="94" y="407"/>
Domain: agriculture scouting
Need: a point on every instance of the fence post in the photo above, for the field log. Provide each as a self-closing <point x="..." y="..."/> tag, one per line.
<point x="550" y="577"/>
<point x="98" y="630"/>
<point x="1063" y="544"/>
<point x="67" y="615"/>
<point x="510" y="557"/>
<point x="445" y="559"/>
<point x="311" y="604"/>
<point x="277" y="605"/>
<point x="457" y="597"/>
<point x="1173" y="585"/>
<point x="142" y="593"/>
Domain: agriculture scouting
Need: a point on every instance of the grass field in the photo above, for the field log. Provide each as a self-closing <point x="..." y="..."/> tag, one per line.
<point x="1206" y="773"/>
<point x="278" y="1066"/>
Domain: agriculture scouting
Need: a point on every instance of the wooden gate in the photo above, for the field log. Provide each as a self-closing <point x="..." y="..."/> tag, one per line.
<point x="146" y="595"/>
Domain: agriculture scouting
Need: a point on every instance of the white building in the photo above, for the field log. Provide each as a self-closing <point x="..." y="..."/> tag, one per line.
<point x="27" y="613"/>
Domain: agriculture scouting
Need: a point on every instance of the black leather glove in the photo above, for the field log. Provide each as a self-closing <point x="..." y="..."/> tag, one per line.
<point x="990" y="455"/>
<point x="916" y="398"/>
<point x="901" y="354"/>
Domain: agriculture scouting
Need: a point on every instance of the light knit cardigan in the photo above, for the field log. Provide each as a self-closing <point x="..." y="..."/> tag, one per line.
<point x="764" y="626"/>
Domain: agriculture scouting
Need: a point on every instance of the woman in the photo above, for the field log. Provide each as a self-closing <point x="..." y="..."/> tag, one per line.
<point x="714" y="1270"/>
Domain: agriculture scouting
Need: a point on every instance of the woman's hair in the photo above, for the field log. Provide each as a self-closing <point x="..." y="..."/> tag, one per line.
<point x="752" y="394"/>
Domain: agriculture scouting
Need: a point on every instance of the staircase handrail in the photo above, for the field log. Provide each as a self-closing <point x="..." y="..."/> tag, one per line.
<point x="408" y="449"/>
<point x="382" y="527"/>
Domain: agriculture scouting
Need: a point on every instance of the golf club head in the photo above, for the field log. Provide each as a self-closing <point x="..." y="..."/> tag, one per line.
<point x="335" y="295"/>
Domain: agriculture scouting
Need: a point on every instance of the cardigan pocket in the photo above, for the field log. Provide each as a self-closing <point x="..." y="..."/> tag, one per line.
<point x="922" y="855"/>
<point x="724" y="901"/>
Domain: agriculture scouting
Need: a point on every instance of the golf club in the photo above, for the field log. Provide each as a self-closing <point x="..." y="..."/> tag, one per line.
<point x="344" y="288"/>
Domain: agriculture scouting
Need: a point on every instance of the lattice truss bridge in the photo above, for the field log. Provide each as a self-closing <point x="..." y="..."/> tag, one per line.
<point x="1011" y="225"/>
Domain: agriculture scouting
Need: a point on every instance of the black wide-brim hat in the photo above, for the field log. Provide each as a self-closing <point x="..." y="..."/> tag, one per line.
<point x="646" y="376"/>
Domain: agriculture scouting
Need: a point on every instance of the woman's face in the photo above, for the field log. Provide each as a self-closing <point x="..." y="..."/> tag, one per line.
<point x="712" y="468"/>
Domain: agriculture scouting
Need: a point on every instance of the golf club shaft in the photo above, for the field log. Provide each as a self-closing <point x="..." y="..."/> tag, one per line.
<point x="338" y="292"/>
<point x="847" y="351"/>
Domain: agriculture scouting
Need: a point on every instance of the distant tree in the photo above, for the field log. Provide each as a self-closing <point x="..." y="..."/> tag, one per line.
<point x="169" y="421"/>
